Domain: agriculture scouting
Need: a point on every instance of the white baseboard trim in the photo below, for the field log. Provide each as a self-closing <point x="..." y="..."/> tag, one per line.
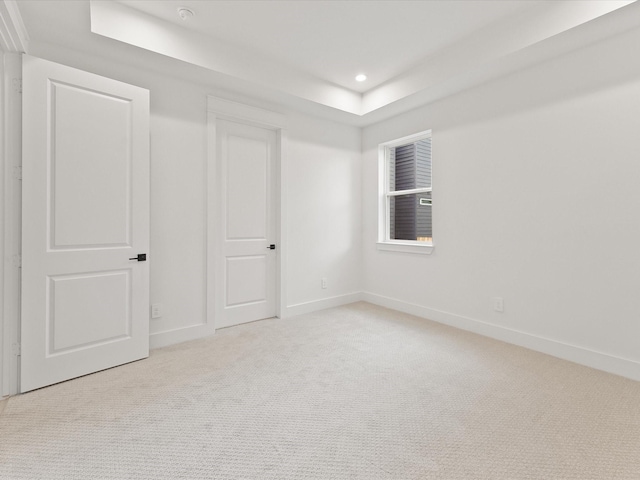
<point x="315" y="305"/>
<point x="194" y="332"/>
<point x="179" y="335"/>
<point x="583" y="356"/>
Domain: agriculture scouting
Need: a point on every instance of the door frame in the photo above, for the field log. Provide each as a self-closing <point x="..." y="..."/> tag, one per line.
<point x="11" y="229"/>
<point x="14" y="40"/>
<point x="223" y="109"/>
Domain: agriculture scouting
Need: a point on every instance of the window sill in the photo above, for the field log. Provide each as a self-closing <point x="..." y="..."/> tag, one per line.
<point x="405" y="248"/>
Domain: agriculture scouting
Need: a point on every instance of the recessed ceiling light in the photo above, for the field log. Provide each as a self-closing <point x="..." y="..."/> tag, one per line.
<point x="361" y="78"/>
<point x="185" y="13"/>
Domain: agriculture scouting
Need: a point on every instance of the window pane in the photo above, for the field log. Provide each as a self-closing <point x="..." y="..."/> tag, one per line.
<point x="423" y="163"/>
<point x="410" y="166"/>
<point x="391" y="169"/>
<point x="410" y="217"/>
<point x="404" y="169"/>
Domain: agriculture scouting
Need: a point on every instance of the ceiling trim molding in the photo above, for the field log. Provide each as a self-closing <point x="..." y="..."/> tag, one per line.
<point x="13" y="34"/>
<point x="229" y="109"/>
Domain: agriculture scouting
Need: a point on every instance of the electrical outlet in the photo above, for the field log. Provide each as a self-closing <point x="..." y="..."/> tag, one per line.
<point x="156" y="310"/>
<point x="498" y="304"/>
<point x="323" y="282"/>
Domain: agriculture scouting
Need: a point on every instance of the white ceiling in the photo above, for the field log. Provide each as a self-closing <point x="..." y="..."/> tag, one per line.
<point x="305" y="54"/>
<point x="336" y="40"/>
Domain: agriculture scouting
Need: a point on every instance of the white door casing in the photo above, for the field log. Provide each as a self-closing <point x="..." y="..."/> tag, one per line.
<point x="85" y="215"/>
<point x="246" y="277"/>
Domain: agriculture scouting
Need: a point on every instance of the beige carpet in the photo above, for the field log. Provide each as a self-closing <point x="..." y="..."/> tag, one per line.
<point x="356" y="392"/>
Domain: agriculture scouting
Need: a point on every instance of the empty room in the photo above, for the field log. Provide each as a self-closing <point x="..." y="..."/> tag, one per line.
<point x="296" y="239"/>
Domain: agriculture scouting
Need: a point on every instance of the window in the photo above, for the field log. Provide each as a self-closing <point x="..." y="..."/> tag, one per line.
<point x="405" y="207"/>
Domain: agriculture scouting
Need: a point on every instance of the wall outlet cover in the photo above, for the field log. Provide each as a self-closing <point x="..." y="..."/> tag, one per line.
<point x="156" y="310"/>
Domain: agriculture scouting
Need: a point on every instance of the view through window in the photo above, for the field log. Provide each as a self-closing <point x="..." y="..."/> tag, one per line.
<point x="408" y="201"/>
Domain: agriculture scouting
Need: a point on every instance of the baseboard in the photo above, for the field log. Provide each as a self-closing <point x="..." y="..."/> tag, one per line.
<point x="179" y="335"/>
<point x="193" y="332"/>
<point x="583" y="356"/>
<point x="315" y="305"/>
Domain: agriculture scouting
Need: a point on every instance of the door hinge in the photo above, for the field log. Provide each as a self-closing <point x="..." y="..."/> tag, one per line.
<point x="17" y="260"/>
<point x="17" y="85"/>
<point x="16" y="350"/>
<point x="17" y="173"/>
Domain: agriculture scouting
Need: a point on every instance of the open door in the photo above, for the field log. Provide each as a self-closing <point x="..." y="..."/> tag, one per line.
<point x="85" y="278"/>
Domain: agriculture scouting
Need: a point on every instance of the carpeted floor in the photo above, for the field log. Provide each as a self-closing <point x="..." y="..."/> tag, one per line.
<point x="355" y="392"/>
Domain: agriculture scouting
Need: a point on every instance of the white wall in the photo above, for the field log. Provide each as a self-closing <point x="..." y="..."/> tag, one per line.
<point x="324" y="232"/>
<point x="321" y="214"/>
<point x="536" y="200"/>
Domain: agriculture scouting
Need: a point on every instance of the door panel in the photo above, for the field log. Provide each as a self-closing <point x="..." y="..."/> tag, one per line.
<point x="84" y="310"/>
<point x="80" y="151"/>
<point x="85" y="214"/>
<point x="247" y="274"/>
<point x="248" y="163"/>
<point x="250" y="273"/>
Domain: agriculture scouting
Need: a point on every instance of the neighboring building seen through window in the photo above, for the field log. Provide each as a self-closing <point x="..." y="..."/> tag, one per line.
<point x="406" y="167"/>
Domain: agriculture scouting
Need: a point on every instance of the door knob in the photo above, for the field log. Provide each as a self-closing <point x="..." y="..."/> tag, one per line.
<point x="271" y="247"/>
<point x="142" y="257"/>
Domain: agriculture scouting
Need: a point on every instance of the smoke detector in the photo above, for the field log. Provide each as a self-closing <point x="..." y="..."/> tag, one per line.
<point x="185" y="14"/>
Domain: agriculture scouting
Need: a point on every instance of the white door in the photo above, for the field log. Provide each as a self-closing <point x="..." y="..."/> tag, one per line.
<point x="85" y="216"/>
<point x="246" y="272"/>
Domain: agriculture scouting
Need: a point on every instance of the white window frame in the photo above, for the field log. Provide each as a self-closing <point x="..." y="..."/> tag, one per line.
<point x="384" y="196"/>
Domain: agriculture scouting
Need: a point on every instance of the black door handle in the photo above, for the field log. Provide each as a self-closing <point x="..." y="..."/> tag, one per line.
<point x="142" y="257"/>
<point x="271" y="247"/>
